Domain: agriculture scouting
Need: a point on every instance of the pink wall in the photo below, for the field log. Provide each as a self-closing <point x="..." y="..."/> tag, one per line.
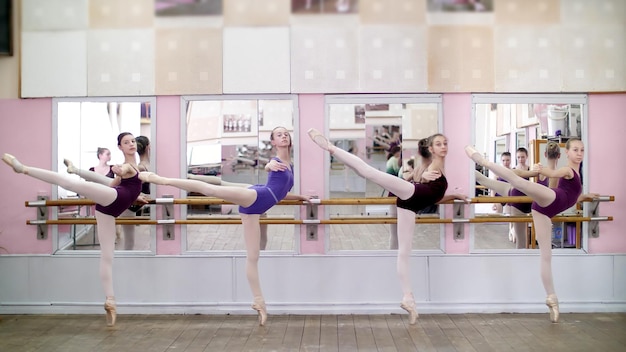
<point x="457" y="117"/>
<point x="32" y="145"/>
<point x="312" y="157"/>
<point x="25" y="131"/>
<point x="607" y="167"/>
<point x="167" y="150"/>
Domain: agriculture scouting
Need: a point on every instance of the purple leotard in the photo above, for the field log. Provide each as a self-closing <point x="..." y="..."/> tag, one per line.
<point x="278" y="185"/>
<point x="127" y="192"/>
<point x="523" y="207"/>
<point x="425" y="194"/>
<point x="109" y="174"/>
<point x="567" y="193"/>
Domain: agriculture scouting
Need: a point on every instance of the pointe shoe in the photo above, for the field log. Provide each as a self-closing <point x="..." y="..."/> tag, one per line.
<point x="473" y="154"/>
<point x="553" y="304"/>
<point x="71" y="169"/>
<point x="409" y="306"/>
<point x="14" y="163"/>
<point x="111" y="310"/>
<point x="320" y="140"/>
<point x="259" y="306"/>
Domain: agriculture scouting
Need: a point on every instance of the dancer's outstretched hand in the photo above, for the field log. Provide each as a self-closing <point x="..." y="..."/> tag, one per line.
<point x="276" y="165"/>
<point x="431" y="175"/>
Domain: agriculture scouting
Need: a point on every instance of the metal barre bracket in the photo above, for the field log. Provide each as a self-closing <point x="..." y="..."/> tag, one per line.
<point x="311" y="214"/>
<point x="594" y="226"/>
<point x="42" y="214"/>
<point x="458" y="227"/>
<point x="168" y="214"/>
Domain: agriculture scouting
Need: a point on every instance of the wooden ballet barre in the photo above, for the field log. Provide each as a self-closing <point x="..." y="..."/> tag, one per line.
<point x="336" y="221"/>
<point x="332" y="201"/>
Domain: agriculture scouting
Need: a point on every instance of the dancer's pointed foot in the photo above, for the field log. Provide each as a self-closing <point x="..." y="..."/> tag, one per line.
<point x="473" y="154"/>
<point x="259" y="306"/>
<point x="408" y="304"/>
<point x="71" y="169"/>
<point x="14" y="163"/>
<point x="553" y="304"/>
<point x="111" y="310"/>
<point x="320" y="140"/>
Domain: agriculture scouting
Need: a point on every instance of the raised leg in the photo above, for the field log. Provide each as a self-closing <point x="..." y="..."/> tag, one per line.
<point x="542" y="195"/>
<point x="237" y="195"/>
<point x="86" y="174"/>
<point x="100" y="194"/>
<point x="498" y="186"/>
<point x="401" y="188"/>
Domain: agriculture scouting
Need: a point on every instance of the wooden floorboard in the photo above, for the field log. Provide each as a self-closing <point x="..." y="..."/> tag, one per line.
<point x="314" y="333"/>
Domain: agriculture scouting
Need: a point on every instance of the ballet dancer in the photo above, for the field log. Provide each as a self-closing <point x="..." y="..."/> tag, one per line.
<point x="547" y="202"/>
<point x="110" y="203"/>
<point x="253" y="201"/>
<point x="412" y="197"/>
<point x="143" y="150"/>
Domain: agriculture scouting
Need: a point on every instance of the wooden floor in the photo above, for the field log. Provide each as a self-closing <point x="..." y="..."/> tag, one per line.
<point x="441" y="332"/>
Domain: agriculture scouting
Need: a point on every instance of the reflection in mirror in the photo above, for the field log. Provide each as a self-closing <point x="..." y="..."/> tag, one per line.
<point x="373" y="129"/>
<point x="87" y="136"/>
<point x="228" y="143"/>
<point x="527" y="125"/>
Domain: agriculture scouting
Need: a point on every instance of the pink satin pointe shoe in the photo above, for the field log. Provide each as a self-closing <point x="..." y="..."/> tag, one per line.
<point x="14" y="163"/>
<point x="409" y="306"/>
<point x="259" y="306"/>
<point x="553" y="304"/>
<point x="473" y="154"/>
<point x="320" y="140"/>
<point x="71" y="169"/>
<point x="111" y="310"/>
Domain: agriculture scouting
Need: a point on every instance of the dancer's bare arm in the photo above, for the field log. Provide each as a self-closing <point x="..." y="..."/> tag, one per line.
<point x="564" y="171"/>
<point x="294" y="196"/>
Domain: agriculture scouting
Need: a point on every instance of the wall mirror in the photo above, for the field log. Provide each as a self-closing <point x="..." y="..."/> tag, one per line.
<point x="228" y="143"/>
<point x="369" y="127"/>
<point x="506" y="123"/>
<point x="83" y="127"/>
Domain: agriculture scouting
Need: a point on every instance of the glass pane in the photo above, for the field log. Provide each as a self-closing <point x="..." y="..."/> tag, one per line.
<point x="515" y="135"/>
<point x="229" y="141"/>
<point x="87" y="136"/>
<point x="384" y="134"/>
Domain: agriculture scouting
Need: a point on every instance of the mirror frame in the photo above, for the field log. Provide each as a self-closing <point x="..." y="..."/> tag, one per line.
<point x="53" y="211"/>
<point x="548" y="98"/>
<point x="184" y="104"/>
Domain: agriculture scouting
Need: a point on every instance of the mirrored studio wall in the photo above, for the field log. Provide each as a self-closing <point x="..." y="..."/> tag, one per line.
<point x="384" y="131"/>
<point x="86" y="133"/>
<point x="228" y="143"/>
<point x="513" y="130"/>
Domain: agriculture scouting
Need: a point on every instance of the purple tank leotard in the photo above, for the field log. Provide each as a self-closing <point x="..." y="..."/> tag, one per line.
<point x="425" y="194"/>
<point x="278" y="185"/>
<point x="127" y="192"/>
<point x="567" y="193"/>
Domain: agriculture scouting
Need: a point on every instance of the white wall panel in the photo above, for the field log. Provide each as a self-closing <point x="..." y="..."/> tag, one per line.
<point x="121" y="62"/>
<point x="256" y="60"/>
<point x="54" y="64"/>
<point x="50" y="15"/>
